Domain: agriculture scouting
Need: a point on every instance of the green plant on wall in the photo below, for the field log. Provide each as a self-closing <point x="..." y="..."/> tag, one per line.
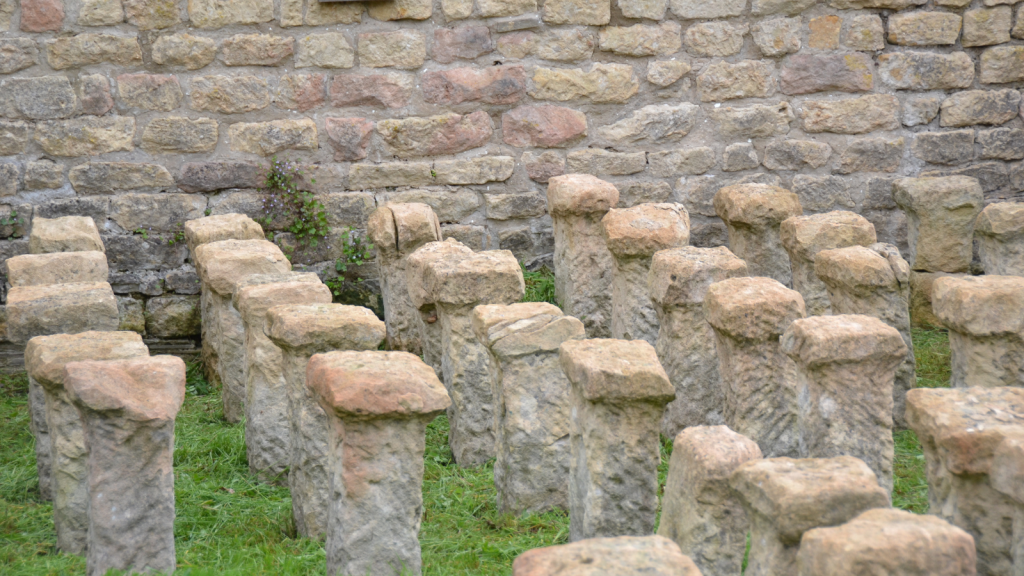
<point x="354" y="252"/>
<point x="12" y="219"/>
<point x="305" y="216"/>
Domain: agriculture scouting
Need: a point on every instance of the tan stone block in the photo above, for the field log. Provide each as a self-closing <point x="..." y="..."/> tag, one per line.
<point x="654" y="124"/>
<point x="211" y="14"/>
<point x="824" y="32"/>
<point x="66" y="234"/>
<point x="436" y="135"/>
<point x="787" y="7"/>
<point x="650" y="9"/>
<point x="184" y="50"/>
<point x="86" y="136"/>
<point x="924" y="28"/>
<point x="17" y="54"/>
<point x="229" y="94"/>
<point x="715" y="38"/>
<point x="778" y="36"/>
<point x="598" y="161"/>
<point x="583" y="12"/>
<point x="39" y="98"/>
<point x="330" y="13"/>
<point x="986" y="27"/>
<point x="176" y="134"/>
<point x="687" y="161"/>
<point x="757" y="121"/>
<point x="404" y="49"/>
<point x="796" y="154"/>
<point x="641" y="40"/>
<point x="652" y="555"/>
<point x="505" y="8"/>
<point x="152" y="14"/>
<point x="268" y="138"/>
<point x="602" y="84"/>
<point x="754" y="213"/>
<point x="852" y="115"/>
<point x="401" y="10"/>
<point x="57" y="268"/>
<point x="111" y="177"/>
<point x="941" y="214"/>
<point x="475" y="171"/>
<point x="569" y="45"/>
<point x="667" y="72"/>
<point x="971" y="107"/>
<point x="926" y="70"/>
<point x="256" y="50"/>
<point x="330" y="50"/>
<point x="864" y="32"/>
<point x="1002" y="65"/>
<point x="150" y="91"/>
<point x="86" y="49"/>
<point x="744" y="79"/>
<point x="700" y="10"/>
<point x="100" y="13"/>
<point x="457" y="9"/>
<point x="60" y="309"/>
<point x="1000" y="228"/>
<point x="392" y="174"/>
<point x="842" y="72"/>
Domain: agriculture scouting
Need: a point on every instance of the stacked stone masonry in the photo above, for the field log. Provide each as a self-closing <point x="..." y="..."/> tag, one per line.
<point x="147" y="114"/>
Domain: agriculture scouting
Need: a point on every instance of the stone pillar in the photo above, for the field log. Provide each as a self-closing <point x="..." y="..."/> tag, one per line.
<point x="754" y="214"/>
<point x="300" y="331"/>
<point x="1000" y="228"/>
<point x="921" y="286"/>
<point x="267" y="440"/>
<point x="960" y="429"/>
<point x="678" y="281"/>
<point x="940" y="220"/>
<point x="748" y="316"/>
<point x="619" y="392"/>
<point x="65" y="234"/>
<point x="785" y="498"/>
<point x="379" y="405"/>
<point x="648" y="555"/>
<point x="397" y="230"/>
<point x="219" y="265"/>
<point x="633" y="235"/>
<point x="884" y="541"/>
<point x="1007" y="477"/>
<point x="875" y="282"/>
<point x="846" y="367"/>
<point x="584" y="267"/>
<point x="805" y="236"/>
<point x="415" y="279"/>
<point x="531" y="403"/>
<point x="128" y="409"/>
<point x="458" y="283"/>
<point x="45" y="357"/>
<point x="985" y="318"/>
<point x="57" y="268"/>
<point x="700" y="511"/>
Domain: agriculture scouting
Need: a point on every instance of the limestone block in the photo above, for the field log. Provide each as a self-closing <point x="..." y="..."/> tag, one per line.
<point x="222" y="227"/>
<point x="86" y="136"/>
<point x="972" y="107"/>
<point x="400" y="10"/>
<point x="745" y="79"/>
<point x="60" y="309"/>
<point x="618" y="392"/>
<point x="653" y="124"/>
<point x="215" y="176"/>
<point x="754" y="214"/>
<point x="175" y="134"/>
<point x="602" y="84"/>
<point x="543" y="126"/>
<point x="842" y="72"/>
<point x="17" y="54"/>
<point x="652" y="555"/>
<point x="926" y="70"/>
<point x="65" y="234"/>
<point x="87" y="49"/>
<point x="398" y="230"/>
<point x="633" y="235"/>
<point x="1002" y="64"/>
<point x="641" y="40"/>
<point x="700" y="511"/>
<point x="678" y="282"/>
<point x="40" y="98"/>
<point x="940" y="216"/>
<point x="960" y="429"/>
<point x="403" y="49"/>
<point x="888" y="542"/>
<point x="697" y="9"/>
<point x="650" y="9"/>
<point x="921" y="286"/>
<point x="184" y="50"/>
<point x="229" y="94"/>
<point x="494" y="85"/>
<point x="804" y="237"/>
<point x="457" y="282"/>
<point x="436" y="135"/>
<point x="422" y="300"/>
<point x="379" y="405"/>
<point x="57" y="268"/>
<point x="39" y="16"/>
<point x="584" y="266"/>
<point x="985" y="318"/>
<point x="874" y="281"/>
<point x="924" y="28"/>
<point x="269" y="138"/>
<point x="749" y="315"/>
<point x="786" y="498"/>
<point x="667" y="72"/>
<point x="112" y="177"/>
<point x="583" y="12"/>
<point x="152" y="14"/>
<point x="757" y="121"/>
<point x="210" y="14"/>
<point x="778" y="36"/>
<point x="128" y="409"/>
<point x="710" y="39"/>
<point x="987" y="26"/>
<point x="45" y="358"/>
<point x="300" y="331"/>
<point x="851" y="116"/>
<point x="864" y="32"/>
<point x="1000" y="227"/>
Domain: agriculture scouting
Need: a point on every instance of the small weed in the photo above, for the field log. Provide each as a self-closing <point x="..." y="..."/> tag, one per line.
<point x="305" y="215"/>
<point x="540" y="286"/>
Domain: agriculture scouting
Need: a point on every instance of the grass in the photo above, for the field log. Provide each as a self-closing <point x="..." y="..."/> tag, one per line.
<point x="540" y="286"/>
<point x="229" y="524"/>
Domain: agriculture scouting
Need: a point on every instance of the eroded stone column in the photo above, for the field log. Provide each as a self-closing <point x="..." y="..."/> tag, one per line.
<point x="884" y="541"/>
<point x="267" y="440"/>
<point x="1000" y="227"/>
<point x="219" y="265"/>
<point x="754" y="214"/>
<point x="649" y="555"/>
<point x="619" y="391"/>
<point x="128" y="409"/>
<point x="985" y="318"/>
<point x="397" y="230"/>
<point x="748" y="316"/>
<point x="805" y="236"/>
<point x="940" y="220"/>
<point x="633" y="236"/>
<point x="678" y="281"/>
<point x="700" y="511"/>
<point x="379" y="405"/>
<point x="531" y="403"/>
<point x="785" y="498"/>
<point x="415" y="279"/>
<point x="959" y="430"/>
<point x="45" y="357"/>
<point x="1007" y="477"/>
<point x="846" y="368"/>
<point x="64" y="234"/>
<point x="874" y="281"/>
<point x="300" y="331"/>
<point x="584" y="267"/>
<point x="458" y="283"/>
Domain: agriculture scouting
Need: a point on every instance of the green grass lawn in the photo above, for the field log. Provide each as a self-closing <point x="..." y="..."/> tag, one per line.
<point x="229" y="524"/>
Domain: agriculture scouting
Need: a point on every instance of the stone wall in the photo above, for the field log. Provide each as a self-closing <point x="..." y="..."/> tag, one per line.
<point x="147" y="113"/>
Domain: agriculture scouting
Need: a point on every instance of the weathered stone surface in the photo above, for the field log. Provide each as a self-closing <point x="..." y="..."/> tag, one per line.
<point x="173" y="317"/>
<point x="700" y="511"/>
<point x="256" y="50"/>
<point x="953" y="147"/>
<point x="177" y="134"/>
<point x="839" y="72"/>
<point x="457" y="9"/>
<point x="401" y="10"/>
<point x="216" y="228"/>
<point x="130" y="313"/>
<point x="464" y="42"/>
<point x="652" y="555"/>
<point x="696" y="9"/>
<point x="889" y="542"/>
<point x="435" y="135"/>
<point x="330" y="50"/>
<point x="66" y="234"/>
<point x="350" y="137"/>
<point x="788" y="7"/>
<point x="152" y="14"/>
<point x="884" y="4"/>
<point x="744" y="79"/>
<point x="687" y="161"/>
<point x="10" y="174"/>
<point x="566" y="45"/>
<point x="785" y="498"/>
<point x="651" y="9"/>
<point x="505" y="8"/>
<point x="1000" y="229"/>
<point x="921" y="286"/>
<point x="86" y="49"/>
<point x="60" y="309"/>
<point x="601" y="162"/>
<point x="667" y="72"/>
<point x="387" y="90"/>
<point x="618" y="392"/>
<point x="543" y="126"/>
<point x="112" y="177"/>
<point x="40" y="98"/>
<point x="941" y="214"/>
<point x="824" y="32"/>
<point x="475" y="171"/>
<point x="602" y="84"/>
<point x="757" y="121"/>
<point x="985" y="27"/>
<point x="41" y="15"/>
<point x="155" y="212"/>
<point x="494" y="85"/>
<point x="653" y="124"/>
<point x="584" y="12"/>
<point x="985" y="317"/>
<point x="383" y="401"/>
<point x="641" y="40"/>
<point x="753" y="214"/>
<point x="777" y="37"/>
<point x="871" y="155"/>
<point x="749" y="315"/>
<point x="128" y="409"/>
<point x="212" y="176"/>
<point x="739" y="157"/>
<point x="531" y="403"/>
<point x="796" y="154"/>
<point x="268" y="138"/>
<point x="302" y="92"/>
<point x="864" y="32"/>
<point x="370" y="176"/>
<point x="1001" y="143"/>
<point x="405" y="49"/>
<point x="14" y="136"/>
<point x="17" y="54"/>
<point x="924" y="28"/>
<point x="422" y="299"/>
<point x="184" y="50"/>
<point x="229" y="94"/>
<point x="926" y="70"/>
<point x="992" y="107"/>
<point x="86" y="136"/>
<point x="95" y="98"/>
<point x="57" y="268"/>
<point x="43" y="175"/>
<point x="920" y="111"/>
<point x="211" y="14"/>
<point x="543" y="167"/>
<point x="327" y="14"/>
<point x="851" y="116"/>
<point x="711" y="39"/>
